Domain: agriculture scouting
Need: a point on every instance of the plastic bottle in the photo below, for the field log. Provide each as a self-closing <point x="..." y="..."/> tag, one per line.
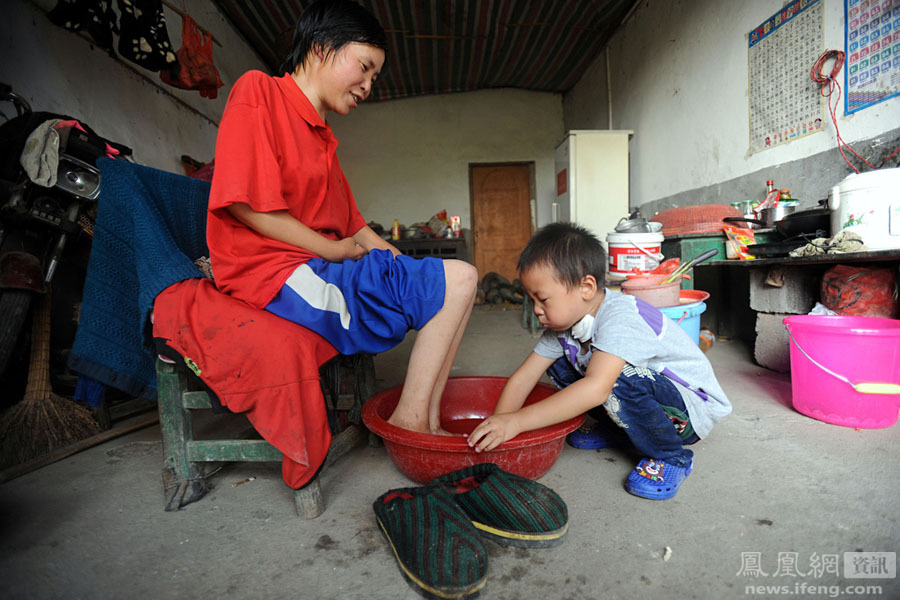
<point x="707" y="338"/>
<point x="395" y="230"/>
<point x="771" y="198"/>
<point x="749" y="209"/>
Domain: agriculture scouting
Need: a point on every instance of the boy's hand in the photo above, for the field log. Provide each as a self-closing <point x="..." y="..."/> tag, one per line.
<point x="493" y="431"/>
<point x="345" y="249"/>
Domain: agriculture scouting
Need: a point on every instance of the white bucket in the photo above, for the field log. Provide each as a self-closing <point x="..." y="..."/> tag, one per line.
<point x="628" y="251"/>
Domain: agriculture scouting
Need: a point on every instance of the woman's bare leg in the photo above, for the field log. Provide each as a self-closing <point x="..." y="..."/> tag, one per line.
<point x="434" y="405"/>
<point x="434" y="351"/>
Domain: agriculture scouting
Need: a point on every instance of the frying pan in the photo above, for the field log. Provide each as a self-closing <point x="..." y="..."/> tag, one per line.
<point x="808" y="221"/>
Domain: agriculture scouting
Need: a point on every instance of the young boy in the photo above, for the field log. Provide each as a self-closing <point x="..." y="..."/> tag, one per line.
<point x="283" y="229"/>
<point x="613" y="350"/>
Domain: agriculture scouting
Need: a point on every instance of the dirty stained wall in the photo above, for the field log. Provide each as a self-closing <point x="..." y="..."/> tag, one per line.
<point x="678" y="74"/>
<point x="405" y="159"/>
<point x="64" y="72"/>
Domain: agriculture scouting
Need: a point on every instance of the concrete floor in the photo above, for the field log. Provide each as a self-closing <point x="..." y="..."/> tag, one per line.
<point x="770" y="488"/>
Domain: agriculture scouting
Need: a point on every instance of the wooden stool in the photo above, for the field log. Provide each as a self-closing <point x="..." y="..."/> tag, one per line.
<point x="179" y="393"/>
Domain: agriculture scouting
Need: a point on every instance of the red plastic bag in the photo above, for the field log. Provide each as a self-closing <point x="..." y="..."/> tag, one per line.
<point x="736" y="241"/>
<point x="197" y="70"/>
<point x="861" y="291"/>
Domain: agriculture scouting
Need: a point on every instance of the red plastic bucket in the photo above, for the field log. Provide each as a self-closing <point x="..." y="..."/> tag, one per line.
<point x="830" y="355"/>
<point x="465" y="403"/>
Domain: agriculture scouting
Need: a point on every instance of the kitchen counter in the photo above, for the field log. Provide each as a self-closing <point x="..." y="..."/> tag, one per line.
<point x="437" y="247"/>
<point x="821" y="259"/>
<point x="732" y="283"/>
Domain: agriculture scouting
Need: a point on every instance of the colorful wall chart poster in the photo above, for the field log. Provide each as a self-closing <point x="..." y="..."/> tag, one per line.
<point x="785" y="103"/>
<point x="872" y="42"/>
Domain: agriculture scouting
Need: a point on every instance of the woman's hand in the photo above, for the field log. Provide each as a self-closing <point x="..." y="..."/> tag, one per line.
<point x="370" y="240"/>
<point x="493" y="431"/>
<point x="341" y="250"/>
<point x="280" y="225"/>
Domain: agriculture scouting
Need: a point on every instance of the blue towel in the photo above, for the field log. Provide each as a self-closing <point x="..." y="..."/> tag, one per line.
<point x="151" y="226"/>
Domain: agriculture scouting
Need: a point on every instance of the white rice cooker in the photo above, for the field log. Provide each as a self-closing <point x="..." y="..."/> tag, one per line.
<point x="869" y="205"/>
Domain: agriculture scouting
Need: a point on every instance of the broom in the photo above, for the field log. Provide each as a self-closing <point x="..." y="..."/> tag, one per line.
<point x="42" y="421"/>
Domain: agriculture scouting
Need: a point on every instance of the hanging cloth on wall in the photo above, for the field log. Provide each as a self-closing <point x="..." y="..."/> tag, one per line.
<point x="197" y="70"/>
<point x="94" y="16"/>
<point x="144" y="39"/>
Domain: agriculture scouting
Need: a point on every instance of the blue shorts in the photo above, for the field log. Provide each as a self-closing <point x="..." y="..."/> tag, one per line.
<point x="366" y="305"/>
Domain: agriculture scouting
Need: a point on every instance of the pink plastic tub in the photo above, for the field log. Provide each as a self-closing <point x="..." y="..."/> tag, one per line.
<point x="860" y="349"/>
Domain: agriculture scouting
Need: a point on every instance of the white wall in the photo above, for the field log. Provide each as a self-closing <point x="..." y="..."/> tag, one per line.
<point x="679" y="72"/>
<point x="408" y="159"/>
<point x="60" y="71"/>
<point x="587" y="104"/>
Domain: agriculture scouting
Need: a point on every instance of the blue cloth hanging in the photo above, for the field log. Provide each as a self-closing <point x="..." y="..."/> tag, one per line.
<point x="151" y="227"/>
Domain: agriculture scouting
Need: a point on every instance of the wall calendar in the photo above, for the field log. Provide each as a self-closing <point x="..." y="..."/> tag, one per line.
<point x="872" y="42"/>
<point x="785" y="103"/>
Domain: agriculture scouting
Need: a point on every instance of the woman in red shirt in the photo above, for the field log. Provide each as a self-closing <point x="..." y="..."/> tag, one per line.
<point x="283" y="229"/>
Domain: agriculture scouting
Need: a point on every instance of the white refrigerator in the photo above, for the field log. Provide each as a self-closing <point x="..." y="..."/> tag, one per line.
<point x="592" y="179"/>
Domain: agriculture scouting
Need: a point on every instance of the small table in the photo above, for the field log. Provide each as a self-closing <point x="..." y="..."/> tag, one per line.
<point x="438" y="247"/>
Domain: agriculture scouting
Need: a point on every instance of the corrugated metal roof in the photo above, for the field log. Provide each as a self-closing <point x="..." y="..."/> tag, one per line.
<point x="443" y="46"/>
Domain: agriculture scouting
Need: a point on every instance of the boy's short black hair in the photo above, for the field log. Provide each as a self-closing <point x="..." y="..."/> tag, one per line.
<point x="331" y="25"/>
<point x="570" y="249"/>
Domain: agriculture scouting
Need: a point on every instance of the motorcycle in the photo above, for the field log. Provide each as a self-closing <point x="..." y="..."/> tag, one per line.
<point x="40" y="219"/>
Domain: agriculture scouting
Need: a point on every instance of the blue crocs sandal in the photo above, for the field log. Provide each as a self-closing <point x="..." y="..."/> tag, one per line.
<point x="655" y="479"/>
<point x="595" y="436"/>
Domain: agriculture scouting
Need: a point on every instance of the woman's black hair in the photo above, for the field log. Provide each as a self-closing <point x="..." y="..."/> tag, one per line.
<point x="330" y="25"/>
<point x="570" y="249"/>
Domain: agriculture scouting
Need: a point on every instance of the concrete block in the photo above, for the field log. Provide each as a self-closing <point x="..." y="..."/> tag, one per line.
<point x="772" y="347"/>
<point x="797" y="295"/>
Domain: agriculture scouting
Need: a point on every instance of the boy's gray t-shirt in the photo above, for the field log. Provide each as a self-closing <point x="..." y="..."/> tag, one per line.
<point x="643" y="336"/>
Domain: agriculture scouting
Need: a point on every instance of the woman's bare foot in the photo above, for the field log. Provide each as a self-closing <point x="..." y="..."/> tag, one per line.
<point x="419" y="428"/>
<point x="399" y="421"/>
<point x="442" y="431"/>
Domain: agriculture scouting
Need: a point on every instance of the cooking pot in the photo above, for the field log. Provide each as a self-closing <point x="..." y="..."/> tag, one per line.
<point x="777" y="212"/>
<point x="635" y="223"/>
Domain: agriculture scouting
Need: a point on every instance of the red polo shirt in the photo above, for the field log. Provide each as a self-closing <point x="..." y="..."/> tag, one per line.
<point x="273" y="152"/>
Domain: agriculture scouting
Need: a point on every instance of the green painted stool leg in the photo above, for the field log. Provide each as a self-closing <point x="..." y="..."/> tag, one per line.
<point x="181" y="478"/>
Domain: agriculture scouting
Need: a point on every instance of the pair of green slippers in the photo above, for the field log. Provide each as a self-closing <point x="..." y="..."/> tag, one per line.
<point x="436" y="531"/>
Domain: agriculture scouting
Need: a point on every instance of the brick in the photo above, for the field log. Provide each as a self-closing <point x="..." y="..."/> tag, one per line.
<point x="796" y="296"/>
<point x="772" y="347"/>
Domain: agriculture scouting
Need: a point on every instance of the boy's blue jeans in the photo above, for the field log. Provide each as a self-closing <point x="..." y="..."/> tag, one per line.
<point x="648" y="408"/>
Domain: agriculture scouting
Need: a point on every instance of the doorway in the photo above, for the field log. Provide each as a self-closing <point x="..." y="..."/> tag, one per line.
<point x="502" y="223"/>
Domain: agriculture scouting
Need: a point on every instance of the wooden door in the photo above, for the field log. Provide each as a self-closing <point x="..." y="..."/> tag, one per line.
<point x="501" y="216"/>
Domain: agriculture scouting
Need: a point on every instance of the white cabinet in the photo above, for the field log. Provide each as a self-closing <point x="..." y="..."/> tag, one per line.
<point x="592" y="179"/>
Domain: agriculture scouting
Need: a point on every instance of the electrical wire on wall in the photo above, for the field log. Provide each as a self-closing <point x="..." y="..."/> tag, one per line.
<point x="827" y="85"/>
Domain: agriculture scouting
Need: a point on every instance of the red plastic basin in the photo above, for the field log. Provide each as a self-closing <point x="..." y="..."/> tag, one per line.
<point x="466" y="401"/>
<point x="692" y="296"/>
